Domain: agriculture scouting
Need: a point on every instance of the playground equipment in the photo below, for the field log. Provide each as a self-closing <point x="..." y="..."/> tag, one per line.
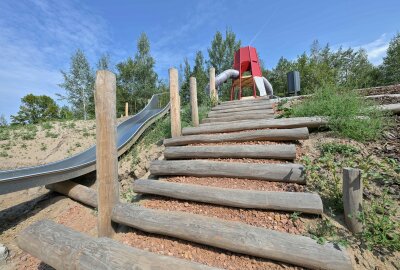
<point x="127" y="133"/>
<point x="246" y="72"/>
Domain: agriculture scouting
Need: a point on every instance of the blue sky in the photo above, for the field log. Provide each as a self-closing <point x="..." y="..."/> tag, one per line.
<point x="37" y="38"/>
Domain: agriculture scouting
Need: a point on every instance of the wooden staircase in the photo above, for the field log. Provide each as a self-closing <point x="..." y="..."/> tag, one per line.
<point x="216" y="189"/>
<point x="226" y="150"/>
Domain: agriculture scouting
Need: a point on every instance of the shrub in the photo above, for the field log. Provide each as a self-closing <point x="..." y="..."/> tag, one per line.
<point x="348" y="114"/>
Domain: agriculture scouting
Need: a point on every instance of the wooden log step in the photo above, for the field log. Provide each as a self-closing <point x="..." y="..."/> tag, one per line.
<point x="282" y="201"/>
<point x="234" y="236"/>
<point x="253" y="135"/>
<point x="226" y="114"/>
<point x="228" y="235"/>
<point x="64" y="248"/>
<point x="251" y="116"/>
<point x="259" y="99"/>
<point x="290" y="173"/>
<point x="242" y="108"/>
<point x="309" y="122"/>
<point x="221" y="107"/>
<point x="278" y="151"/>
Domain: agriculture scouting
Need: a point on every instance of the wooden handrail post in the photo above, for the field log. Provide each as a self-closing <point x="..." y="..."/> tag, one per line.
<point x="213" y="91"/>
<point x="193" y="101"/>
<point x="126" y="109"/>
<point x="352" y="198"/>
<point x="176" y="130"/>
<point x="106" y="150"/>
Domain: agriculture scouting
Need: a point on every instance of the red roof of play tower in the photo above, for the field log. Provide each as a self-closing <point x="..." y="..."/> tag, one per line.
<point x="246" y="59"/>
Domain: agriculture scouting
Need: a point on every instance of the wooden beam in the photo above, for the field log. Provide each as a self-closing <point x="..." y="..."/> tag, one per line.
<point x="253" y="135"/>
<point x="241" y="109"/>
<point x="278" y="151"/>
<point x="106" y="150"/>
<point x="258" y="99"/>
<point x="126" y="109"/>
<point x="237" y="118"/>
<point x="394" y="108"/>
<point x="213" y="90"/>
<point x="63" y="248"/>
<point x="352" y="198"/>
<point x="289" y="173"/>
<point x="176" y="130"/>
<point x="281" y="201"/>
<point x="75" y="191"/>
<point x="193" y="102"/>
<point x="216" y="114"/>
<point x="309" y="122"/>
<point x="223" y="107"/>
<point x="235" y="236"/>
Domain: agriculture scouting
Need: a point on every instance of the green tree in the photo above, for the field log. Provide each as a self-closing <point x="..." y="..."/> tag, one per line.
<point x="104" y="62"/>
<point x="136" y="79"/>
<point x="35" y="109"/>
<point x="185" y="85"/>
<point x="200" y="73"/>
<point x="3" y="121"/>
<point x="78" y="84"/>
<point x="277" y="76"/>
<point x="221" y="55"/>
<point x="391" y="62"/>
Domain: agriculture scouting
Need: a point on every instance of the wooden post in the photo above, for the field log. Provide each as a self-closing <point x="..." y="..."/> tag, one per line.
<point x="176" y="130"/>
<point x="126" y="109"/>
<point x="193" y="101"/>
<point x="213" y="91"/>
<point x="106" y="150"/>
<point x="352" y="198"/>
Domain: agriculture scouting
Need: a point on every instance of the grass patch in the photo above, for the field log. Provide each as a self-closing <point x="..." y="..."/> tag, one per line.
<point x="349" y="114"/>
<point x="380" y="232"/>
<point x="4" y="134"/>
<point x="47" y="125"/>
<point x="380" y="215"/>
<point x="338" y="148"/>
<point x="50" y="134"/>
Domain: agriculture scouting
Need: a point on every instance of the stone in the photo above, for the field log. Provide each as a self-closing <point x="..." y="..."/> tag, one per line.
<point x="3" y="253"/>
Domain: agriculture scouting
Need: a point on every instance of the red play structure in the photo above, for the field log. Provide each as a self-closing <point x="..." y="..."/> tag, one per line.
<point x="246" y="59"/>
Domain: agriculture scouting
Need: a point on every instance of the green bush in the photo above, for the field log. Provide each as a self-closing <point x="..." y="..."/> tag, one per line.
<point x="338" y="148"/>
<point x="349" y="115"/>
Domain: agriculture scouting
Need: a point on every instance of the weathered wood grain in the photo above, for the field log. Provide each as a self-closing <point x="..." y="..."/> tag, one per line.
<point x="244" y="104"/>
<point x="279" y="151"/>
<point x="237" y="118"/>
<point x="394" y="108"/>
<point x="216" y="114"/>
<point x="242" y="108"/>
<point x="290" y="173"/>
<point x="282" y="201"/>
<point x="193" y="102"/>
<point x="285" y="123"/>
<point x="243" y="101"/>
<point x="175" y="101"/>
<point x="106" y="150"/>
<point x="75" y="191"/>
<point x="64" y="248"/>
<point x="253" y="135"/>
<point x="235" y="236"/>
<point x="352" y="198"/>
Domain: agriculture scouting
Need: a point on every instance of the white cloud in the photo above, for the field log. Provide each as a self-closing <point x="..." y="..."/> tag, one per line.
<point x="376" y="49"/>
<point x="36" y="41"/>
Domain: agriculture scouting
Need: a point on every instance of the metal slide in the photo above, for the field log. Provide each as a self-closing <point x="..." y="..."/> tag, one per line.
<point x="127" y="134"/>
<point x="263" y="85"/>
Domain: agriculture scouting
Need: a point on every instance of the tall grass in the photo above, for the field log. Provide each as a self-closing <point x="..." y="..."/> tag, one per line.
<point x="349" y="114"/>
